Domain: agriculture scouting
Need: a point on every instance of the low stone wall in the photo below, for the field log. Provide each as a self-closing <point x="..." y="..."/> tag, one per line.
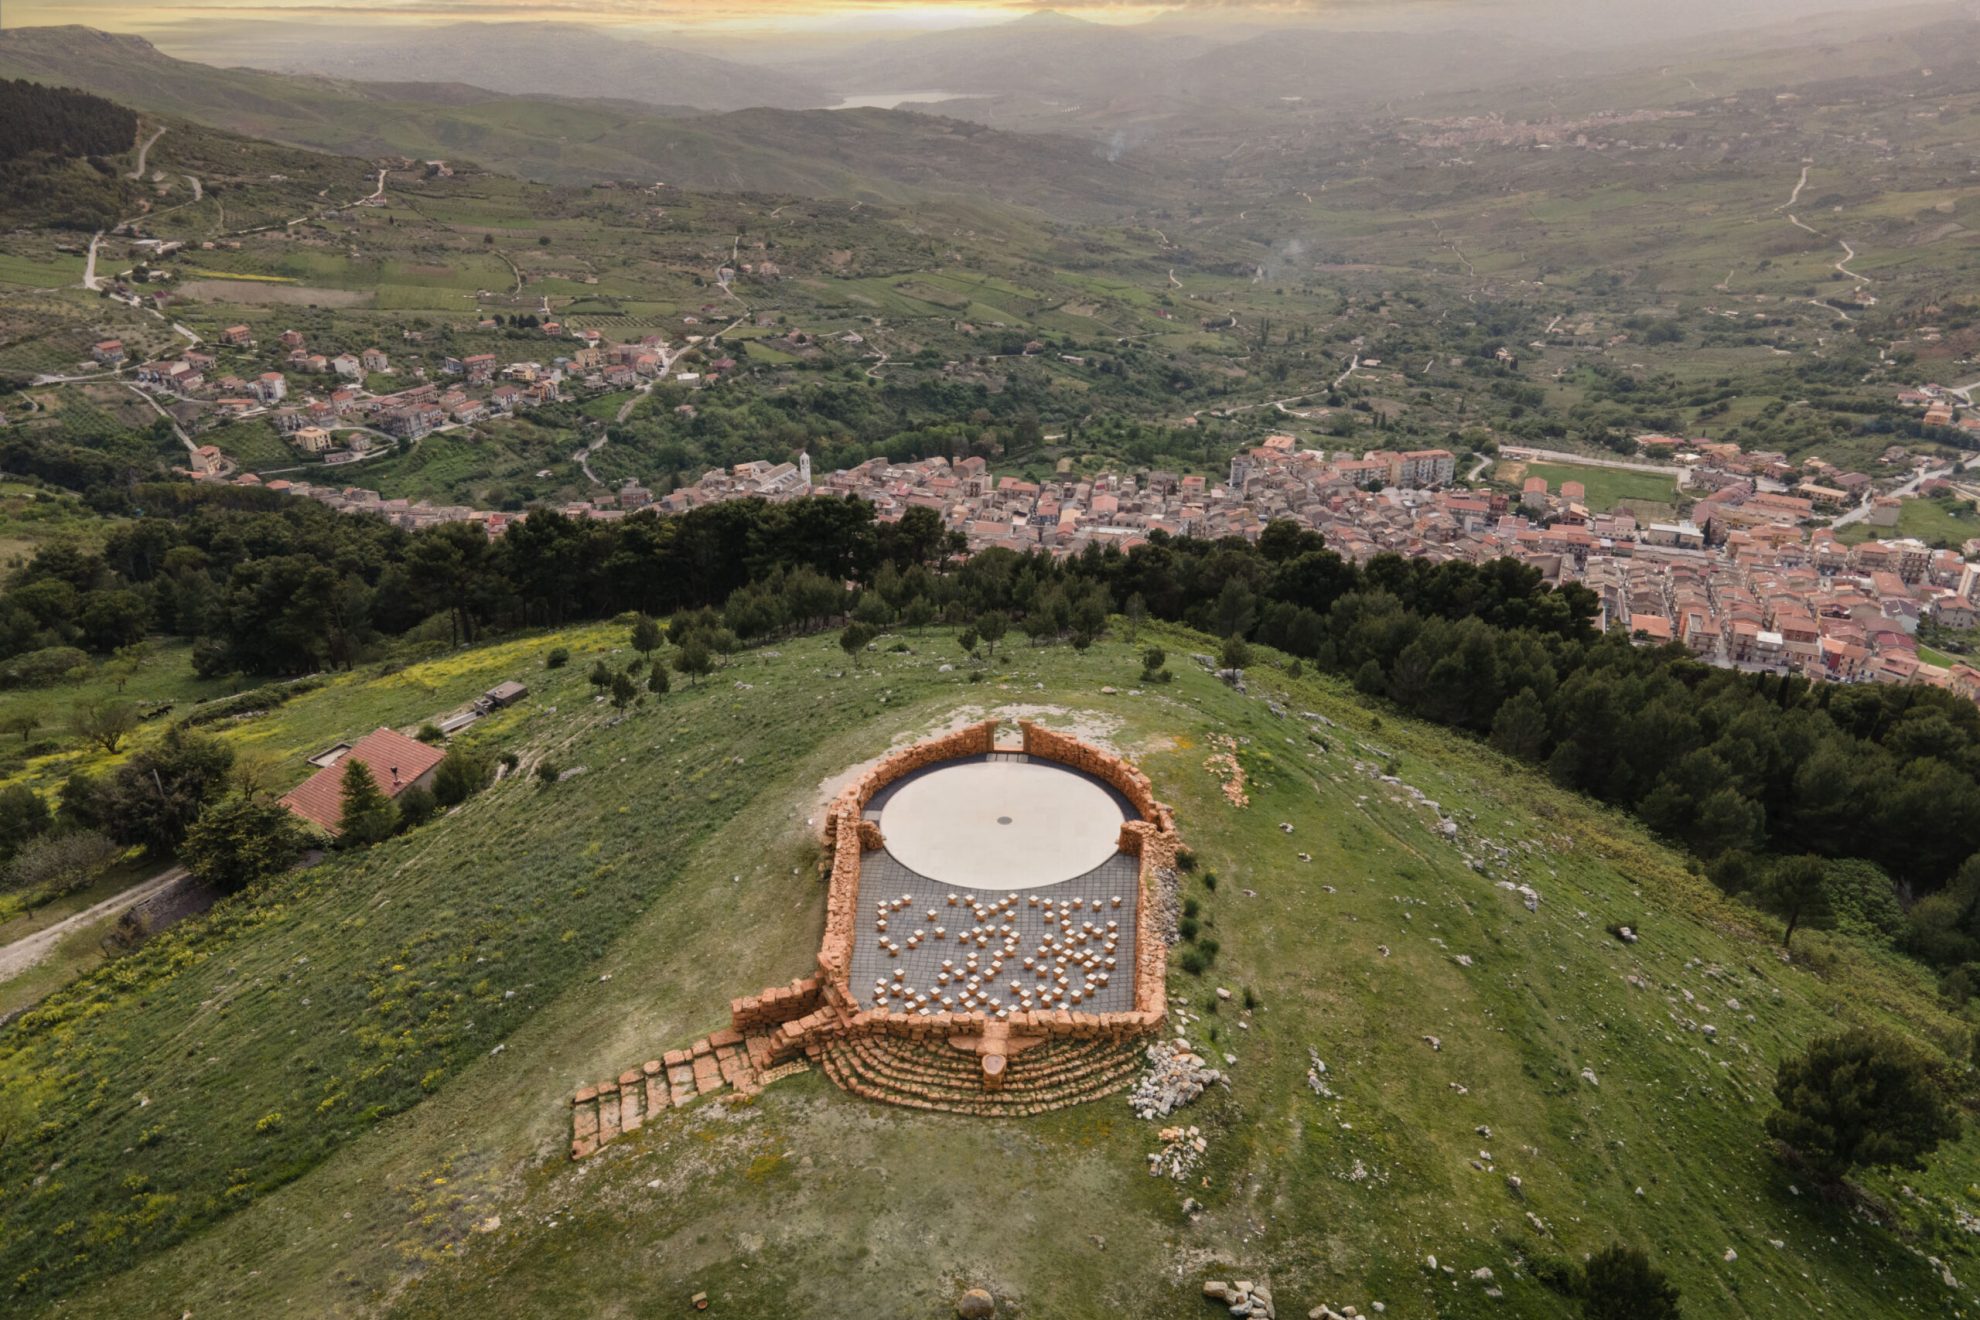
<point x="1156" y="847"/>
<point x="775" y="1006"/>
<point x="970" y="740"/>
<point x="1134" y="786"/>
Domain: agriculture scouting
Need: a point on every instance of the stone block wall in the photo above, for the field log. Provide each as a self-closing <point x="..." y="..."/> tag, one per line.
<point x="775" y="1006"/>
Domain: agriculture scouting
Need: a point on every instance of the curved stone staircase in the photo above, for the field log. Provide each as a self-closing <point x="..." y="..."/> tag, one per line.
<point x="1054" y="1075"/>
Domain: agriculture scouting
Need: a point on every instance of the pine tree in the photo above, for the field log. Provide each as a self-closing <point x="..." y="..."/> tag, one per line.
<point x="368" y="815"/>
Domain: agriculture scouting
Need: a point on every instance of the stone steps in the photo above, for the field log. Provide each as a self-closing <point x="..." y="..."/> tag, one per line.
<point x="1053" y="1076"/>
<point x="725" y="1060"/>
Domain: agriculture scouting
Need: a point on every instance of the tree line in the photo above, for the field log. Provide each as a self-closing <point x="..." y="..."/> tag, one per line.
<point x="1735" y="767"/>
<point x="61" y="121"/>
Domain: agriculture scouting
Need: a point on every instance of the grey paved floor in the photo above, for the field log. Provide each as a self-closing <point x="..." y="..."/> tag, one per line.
<point x="999" y="956"/>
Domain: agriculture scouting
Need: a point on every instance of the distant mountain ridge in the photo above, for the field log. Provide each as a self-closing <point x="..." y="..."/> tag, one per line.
<point x="874" y="155"/>
<point x="555" y="59"/>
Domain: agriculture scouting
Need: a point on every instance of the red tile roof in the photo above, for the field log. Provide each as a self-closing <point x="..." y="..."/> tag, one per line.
<point x="395" y="762"/>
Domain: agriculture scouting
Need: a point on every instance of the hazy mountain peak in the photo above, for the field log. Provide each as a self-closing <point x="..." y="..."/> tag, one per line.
<point x="1051" y="18"/>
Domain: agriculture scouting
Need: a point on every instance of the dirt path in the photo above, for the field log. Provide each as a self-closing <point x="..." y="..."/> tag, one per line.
<point x="29" y="950"/>
<point x="143" y="151"/>
<point x="1843" y="265"/>
<point x="1795" y="196"/>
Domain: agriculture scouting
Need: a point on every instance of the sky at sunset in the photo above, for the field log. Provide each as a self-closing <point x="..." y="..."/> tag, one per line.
<point x="878" y="15"/>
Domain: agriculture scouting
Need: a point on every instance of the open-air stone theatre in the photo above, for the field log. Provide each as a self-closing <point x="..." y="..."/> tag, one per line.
<point x="991" y="946"/>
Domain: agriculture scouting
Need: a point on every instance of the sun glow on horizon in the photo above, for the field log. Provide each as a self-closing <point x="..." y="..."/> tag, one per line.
<point x="739" y="16"/>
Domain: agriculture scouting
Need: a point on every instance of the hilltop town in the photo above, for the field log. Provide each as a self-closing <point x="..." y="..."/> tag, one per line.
<point x="1760" y="573"/>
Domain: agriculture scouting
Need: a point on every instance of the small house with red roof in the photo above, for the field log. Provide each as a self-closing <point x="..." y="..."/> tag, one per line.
<point x="396" y="762"/>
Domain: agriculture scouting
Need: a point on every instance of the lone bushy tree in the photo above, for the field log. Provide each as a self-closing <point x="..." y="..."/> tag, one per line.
<point x="463" y="774"/>
<point x="854" y="639"/>
<point x="694" y="660"/>
<point x="1620" y="1283"/>
<point x="1861" y="1099"/>
<point x="1797" y="889"/>
<point x="991" y="626"/>
<point x="368" y="815"/>
<point x="645" y="635"/>
<point x="241" y="840"/>
<point x="624" y="693"/>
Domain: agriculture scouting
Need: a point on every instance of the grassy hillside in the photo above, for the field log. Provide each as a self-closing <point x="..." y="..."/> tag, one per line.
<point x="345" y="1094"/>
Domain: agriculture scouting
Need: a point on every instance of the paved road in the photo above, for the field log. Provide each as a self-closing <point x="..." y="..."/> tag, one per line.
<point x="29" y="950"/>
<point x="184" y="439"/>
<point x="1862" y="511"/>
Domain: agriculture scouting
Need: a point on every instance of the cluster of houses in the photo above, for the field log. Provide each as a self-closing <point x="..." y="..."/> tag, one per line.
<point x="1754" y="577"/>
<point x="340" y="419"/>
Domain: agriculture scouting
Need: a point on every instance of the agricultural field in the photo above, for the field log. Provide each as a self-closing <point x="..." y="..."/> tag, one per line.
<point x="413" y="1158"/>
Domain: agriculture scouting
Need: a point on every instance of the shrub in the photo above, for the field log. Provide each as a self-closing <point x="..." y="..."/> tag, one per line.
<point x="458" y="778"/>
<point x="1194" y="962"/>
<point x="23" y="816"/>
<point x="559" y="657"/>
<point x="241" y="840"/>
<point x="430" y="733"/>
<point x="1185" y="860"/>
<point x="1620" y="1283"/>
<point x="416" y="806"/>
<point x="43" y="666"/>
<point x="547" y="772"/>
<point x="56" y="864"/>
<point x="1861" y="1099"/>
<point x="1210" y="880"/>
<point x="509" y="760"/>
<point x="1186" y="929"/>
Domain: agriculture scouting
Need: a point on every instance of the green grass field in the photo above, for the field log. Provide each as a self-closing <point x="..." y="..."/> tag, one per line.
<point x="353" y="1083"/>
<point x="1607" y="487"/>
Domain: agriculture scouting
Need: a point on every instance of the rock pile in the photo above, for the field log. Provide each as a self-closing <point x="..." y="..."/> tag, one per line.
<point x="1176" y="1075"/>
<point x="1243" y="1298"/>
<point x="1182" y="1147"/>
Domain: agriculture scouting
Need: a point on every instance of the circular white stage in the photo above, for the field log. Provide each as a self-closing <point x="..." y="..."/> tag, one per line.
<point x="997" y="825"/>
